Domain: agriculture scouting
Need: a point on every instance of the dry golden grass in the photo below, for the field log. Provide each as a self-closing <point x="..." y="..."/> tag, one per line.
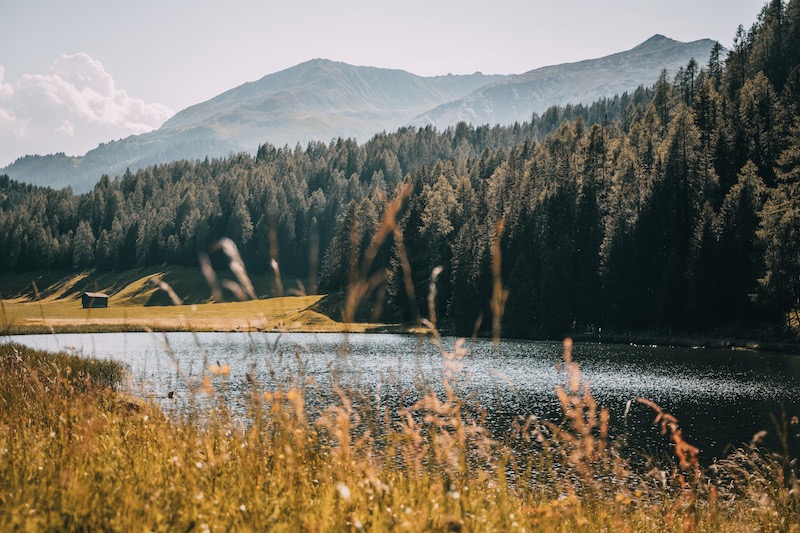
<point x="57" y="307"/>
<point x="285" y="314"/>
<point x="77" y="455"/>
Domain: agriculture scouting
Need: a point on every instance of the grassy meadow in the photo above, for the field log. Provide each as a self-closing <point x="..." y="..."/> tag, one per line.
<point x="78" y="454"/>
<point x="51" y="302"/>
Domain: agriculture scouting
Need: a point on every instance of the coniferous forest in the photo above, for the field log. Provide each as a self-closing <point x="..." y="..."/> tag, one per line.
<point x="674" y="208"/>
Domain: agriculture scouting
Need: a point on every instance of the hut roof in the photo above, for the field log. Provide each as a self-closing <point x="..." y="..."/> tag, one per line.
<point x="95" y="295"/>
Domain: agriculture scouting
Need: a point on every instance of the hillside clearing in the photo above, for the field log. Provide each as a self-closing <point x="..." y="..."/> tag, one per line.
<point x="137" y="303"/>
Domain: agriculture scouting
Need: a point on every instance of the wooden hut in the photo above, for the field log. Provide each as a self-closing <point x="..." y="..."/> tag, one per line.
<point x="94" y="300"/>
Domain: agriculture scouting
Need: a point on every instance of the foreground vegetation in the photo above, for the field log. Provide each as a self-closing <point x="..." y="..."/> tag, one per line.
<point x="78" y="455"/>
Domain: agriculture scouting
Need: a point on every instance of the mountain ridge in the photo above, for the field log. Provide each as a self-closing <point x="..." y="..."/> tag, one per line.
<point x="321" y="99"/>
<point x="515" y="97"/>
<point x="318" y="88"/>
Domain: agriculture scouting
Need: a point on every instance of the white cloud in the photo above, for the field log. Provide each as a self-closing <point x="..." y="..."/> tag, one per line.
<point x="71" y="109"/>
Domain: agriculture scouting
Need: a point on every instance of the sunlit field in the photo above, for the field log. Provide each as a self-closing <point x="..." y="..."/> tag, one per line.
<point x="139" y="302"/>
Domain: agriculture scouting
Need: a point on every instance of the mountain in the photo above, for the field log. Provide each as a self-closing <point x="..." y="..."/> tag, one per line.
<point x="516" y="97"/>
<point x="322" y="100"/>
<point x="315" y="100"/>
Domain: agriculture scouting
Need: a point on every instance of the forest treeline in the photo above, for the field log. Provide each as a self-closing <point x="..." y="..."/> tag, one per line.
<point x="676" y="207"/>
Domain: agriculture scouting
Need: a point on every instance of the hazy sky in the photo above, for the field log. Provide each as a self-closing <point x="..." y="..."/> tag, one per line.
<point x="73" y="74"/>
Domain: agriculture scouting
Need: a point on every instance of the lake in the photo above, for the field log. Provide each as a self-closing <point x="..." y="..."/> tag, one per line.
<point x="720" y="397"/>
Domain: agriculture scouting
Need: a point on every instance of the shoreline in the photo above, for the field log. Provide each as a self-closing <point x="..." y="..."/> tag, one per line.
<point x="41" y="329"/>
<point x="788" y="347"/>
<point x="707" y="342"/>
<point x="137" y="304"/>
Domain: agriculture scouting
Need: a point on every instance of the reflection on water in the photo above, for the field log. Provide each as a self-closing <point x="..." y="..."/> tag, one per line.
<point x="719" y="396"/>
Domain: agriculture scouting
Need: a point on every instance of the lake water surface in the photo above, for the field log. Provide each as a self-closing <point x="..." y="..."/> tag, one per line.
<point x="720" y="397"/>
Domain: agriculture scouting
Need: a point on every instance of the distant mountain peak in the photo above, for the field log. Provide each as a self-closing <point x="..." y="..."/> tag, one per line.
<point x="658" y="39"/>
<point x="320" y="62"/>
<point x="660" y="42"/>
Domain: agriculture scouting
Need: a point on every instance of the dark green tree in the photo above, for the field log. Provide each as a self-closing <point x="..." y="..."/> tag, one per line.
<point x="83" y="246"/>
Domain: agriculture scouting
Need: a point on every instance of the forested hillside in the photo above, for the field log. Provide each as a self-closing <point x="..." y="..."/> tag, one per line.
<point x="673" y="208"/>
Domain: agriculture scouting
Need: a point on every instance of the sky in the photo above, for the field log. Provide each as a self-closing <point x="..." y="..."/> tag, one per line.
<point x="78" y="73"/>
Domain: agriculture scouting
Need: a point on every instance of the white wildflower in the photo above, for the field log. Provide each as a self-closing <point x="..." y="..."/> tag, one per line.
<point x="344" y="492"/>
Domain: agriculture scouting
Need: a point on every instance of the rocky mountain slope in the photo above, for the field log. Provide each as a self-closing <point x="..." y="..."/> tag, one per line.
<point x="516" y="97"/>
